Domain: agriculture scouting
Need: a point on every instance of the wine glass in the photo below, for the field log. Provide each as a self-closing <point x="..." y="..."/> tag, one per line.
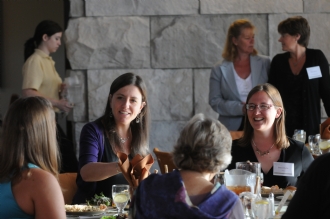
<point x="120" y="196"/>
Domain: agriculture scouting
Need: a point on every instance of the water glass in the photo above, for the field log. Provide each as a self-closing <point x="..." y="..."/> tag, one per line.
<point x="120" y="196"/>
<point x="314" y="144"/>
<point x="253" y="167"/>
<point x="299" y="135"/>
<point x="261" y="208"/>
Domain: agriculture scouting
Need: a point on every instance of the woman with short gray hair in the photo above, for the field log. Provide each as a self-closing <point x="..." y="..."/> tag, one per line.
<point x="202" y="150"/>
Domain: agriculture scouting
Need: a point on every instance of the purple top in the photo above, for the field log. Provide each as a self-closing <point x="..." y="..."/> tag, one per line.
<point x="166" y="197"/>
<point x="94" y="147"/>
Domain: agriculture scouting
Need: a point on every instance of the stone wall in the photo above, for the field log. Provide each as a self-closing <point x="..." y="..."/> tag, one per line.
<point x="172" y="44"/>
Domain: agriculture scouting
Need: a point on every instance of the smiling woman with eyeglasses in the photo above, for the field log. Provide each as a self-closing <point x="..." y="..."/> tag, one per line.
<point x="265" y="141"/>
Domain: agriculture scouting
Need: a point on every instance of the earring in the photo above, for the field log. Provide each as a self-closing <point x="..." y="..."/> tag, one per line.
<point x="110" y="115"/>
<point x="137" y="119"/>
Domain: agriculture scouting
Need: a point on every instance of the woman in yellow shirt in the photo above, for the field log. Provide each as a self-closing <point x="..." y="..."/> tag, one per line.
<point x="40" y="78"/>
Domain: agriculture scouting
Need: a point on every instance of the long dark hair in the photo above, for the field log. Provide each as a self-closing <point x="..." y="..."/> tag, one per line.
<point x="140" y="131"/>
<point x="44" y="27"/>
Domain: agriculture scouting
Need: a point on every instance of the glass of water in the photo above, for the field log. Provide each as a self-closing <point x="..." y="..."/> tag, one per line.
<point x="120" y="196"/>
<point x="261" y="208"/>
<point x="299" y="135"/>
<point x="314" y="142"/>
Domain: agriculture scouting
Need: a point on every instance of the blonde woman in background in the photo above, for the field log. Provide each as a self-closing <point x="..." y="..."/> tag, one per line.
<point x="241" y="70"/>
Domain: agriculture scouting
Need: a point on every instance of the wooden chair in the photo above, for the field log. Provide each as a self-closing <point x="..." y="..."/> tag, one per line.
<point x="165" y="161"/>
<point x="236" y="134"/>
<point x="69" y="187"/>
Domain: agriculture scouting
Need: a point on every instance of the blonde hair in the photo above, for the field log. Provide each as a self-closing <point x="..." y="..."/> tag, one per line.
<point x="230" y="50"/>
<point x="281" y="140"/>
<point x="29" y="136"/>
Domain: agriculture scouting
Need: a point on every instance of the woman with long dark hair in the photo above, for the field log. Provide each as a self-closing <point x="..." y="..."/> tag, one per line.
<point x="124" y="127"/>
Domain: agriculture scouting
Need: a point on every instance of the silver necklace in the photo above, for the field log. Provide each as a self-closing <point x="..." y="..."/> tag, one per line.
<point x="262" y="153"/>
<point x="123" y="140"/>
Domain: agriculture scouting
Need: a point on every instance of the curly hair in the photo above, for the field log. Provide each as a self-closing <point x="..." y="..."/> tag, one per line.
<point x="204" y="145"/>
<point x="296" y="25"/>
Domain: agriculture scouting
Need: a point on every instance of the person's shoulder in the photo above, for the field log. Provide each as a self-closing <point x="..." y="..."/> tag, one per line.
<point x="323" y="160"/>
<point x="313" y="51"/>
<point x="281" y="56"/>
<point x="262" y="57"/>
<point x="294" y="144"/>
<point x="94" y="125"/>
<point x="38" y="177"/>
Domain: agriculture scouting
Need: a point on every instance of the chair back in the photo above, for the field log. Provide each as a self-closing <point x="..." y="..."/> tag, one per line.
<point x="236" y="134"/>
<point x="68" y="185"/>
<point x="165" y="161"/>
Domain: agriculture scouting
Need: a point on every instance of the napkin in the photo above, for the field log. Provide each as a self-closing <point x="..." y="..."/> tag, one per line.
<point x="135" y="170"/>
<point x="325" y="129"/>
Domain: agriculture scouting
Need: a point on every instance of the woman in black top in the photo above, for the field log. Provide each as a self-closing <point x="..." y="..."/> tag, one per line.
<point x="291" y="73"/>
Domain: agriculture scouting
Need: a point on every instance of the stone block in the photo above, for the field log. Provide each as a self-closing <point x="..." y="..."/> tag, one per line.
<point x="163" y="136"/>
<point x="77" y="8"/>
<point x="108" y="42"/>
<point x="78" y="97"/>
<point x="314" y="6"/>
<point x="197" y="41"/>
<point x="250" y="6"/>
<point x="201" y="93"/>
<point x="169" y="92"/>
<point x="140" y="7"/>
<point x="320" y="31"/>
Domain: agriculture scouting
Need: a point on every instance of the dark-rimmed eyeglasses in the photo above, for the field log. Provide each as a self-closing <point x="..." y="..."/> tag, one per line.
<point x="261" y="107"/>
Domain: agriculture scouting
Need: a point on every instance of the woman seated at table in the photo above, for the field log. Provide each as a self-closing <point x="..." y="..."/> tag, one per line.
<point x="202" y="150"/>
<point x="265" y="141"/>
<point x="124" y="127"/>
<point x="29" y="162"/>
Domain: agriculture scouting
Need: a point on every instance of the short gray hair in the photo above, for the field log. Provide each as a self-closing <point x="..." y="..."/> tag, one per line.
<point x="204" y="145"/>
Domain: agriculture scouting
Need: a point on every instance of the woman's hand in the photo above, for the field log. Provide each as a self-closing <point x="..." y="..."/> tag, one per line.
<point x="64" y="105"/>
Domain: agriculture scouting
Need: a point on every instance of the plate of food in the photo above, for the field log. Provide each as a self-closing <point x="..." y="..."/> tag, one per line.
<point x="265" y="191"/>
<point x="81" y="210"/>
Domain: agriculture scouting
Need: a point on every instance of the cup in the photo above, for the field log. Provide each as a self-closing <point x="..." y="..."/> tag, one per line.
<point x="253" y="167"/>
<point x="314" y="144"/>
<point x="246" y="200"/>
<point x="299" y="135"/>
<point x="261" y="208"/>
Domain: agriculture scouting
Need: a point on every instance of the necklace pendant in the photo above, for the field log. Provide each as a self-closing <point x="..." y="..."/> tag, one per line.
<point x="122" y="140"/>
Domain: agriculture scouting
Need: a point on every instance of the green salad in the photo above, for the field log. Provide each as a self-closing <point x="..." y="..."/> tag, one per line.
<point x="109" y="217"/>
<point x="99" y="199"/>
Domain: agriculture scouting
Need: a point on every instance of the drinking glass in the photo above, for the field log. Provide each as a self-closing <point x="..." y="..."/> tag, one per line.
<point x="253" y="167"/>
<point x="314" y="141"/>
<point x="299" y="135"/>
<point x="261" y="208"/>
<point x="120" y="196"/>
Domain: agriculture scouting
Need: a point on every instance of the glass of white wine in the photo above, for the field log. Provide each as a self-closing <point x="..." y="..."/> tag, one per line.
<point x="120" y="196"/>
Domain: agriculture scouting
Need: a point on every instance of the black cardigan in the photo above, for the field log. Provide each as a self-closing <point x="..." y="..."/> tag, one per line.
<point x="296" y="153"/>
<point x="313" y="90"/>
